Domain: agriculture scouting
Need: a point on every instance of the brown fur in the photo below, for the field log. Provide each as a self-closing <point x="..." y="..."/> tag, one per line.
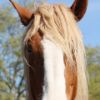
<point x="35" y="72"/>
<point x="79" y="8"/>
<point x="25" y="14"/>
<point x="71" y="80"/>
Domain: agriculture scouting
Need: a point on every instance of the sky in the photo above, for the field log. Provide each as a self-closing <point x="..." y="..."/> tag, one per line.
<point x="90" y="24"/>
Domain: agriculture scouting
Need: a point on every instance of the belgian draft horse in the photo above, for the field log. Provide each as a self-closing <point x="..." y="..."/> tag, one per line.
<point x="53" y="51"/>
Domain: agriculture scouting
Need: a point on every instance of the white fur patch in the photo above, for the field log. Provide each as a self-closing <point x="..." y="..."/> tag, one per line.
<point x="54" y="86"/>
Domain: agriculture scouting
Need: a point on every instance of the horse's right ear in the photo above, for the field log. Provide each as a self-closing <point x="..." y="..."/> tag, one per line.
<point x="25" y="15"/>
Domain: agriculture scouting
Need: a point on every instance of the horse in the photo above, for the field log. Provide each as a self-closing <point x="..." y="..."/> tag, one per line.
<point x="53" y="51"/>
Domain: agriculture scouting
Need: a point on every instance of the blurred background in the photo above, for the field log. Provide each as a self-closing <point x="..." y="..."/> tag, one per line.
<point x="12" y="84"/>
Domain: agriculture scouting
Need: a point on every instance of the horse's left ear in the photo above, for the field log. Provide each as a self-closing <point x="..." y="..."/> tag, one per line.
<point x="25" y="15"/>
<point x="79" y="8"/>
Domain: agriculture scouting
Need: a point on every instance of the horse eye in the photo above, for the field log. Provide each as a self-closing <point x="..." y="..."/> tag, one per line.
<point x="29" y="48"/>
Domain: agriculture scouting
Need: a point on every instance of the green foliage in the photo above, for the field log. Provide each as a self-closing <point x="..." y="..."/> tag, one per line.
<point x="6" y="19"/>
<point x="6" y="96"/>
<point x="93" y="56"/>
<point x="12" y="85"/>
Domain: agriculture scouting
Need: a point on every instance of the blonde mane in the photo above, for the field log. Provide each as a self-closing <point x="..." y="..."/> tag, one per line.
<point x="58" y="24"/>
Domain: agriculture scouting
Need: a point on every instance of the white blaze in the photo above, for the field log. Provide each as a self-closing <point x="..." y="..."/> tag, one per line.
<point x="54" y="85"/>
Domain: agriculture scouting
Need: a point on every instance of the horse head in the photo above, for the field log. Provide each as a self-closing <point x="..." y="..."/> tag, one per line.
<point x="54" y="40"/>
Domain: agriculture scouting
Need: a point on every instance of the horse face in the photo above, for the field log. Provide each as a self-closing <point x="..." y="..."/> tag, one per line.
<point x="34" y="49"/>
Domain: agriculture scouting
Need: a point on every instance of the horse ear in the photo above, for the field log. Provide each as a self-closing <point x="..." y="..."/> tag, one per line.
<point x="25" y="15"/>
<point x="79" y="8"/>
